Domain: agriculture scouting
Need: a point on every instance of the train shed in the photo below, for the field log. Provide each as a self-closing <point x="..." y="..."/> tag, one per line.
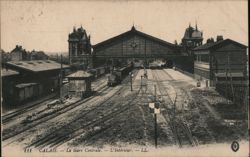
<point x="35" y="78"/>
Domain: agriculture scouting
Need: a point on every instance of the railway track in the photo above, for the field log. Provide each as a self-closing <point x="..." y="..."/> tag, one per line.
<point x="45" y="118"/>
<point x="179" y="129"/>
<point x="166" y="73"/>
<point x="51" y="116"/>
<point x="9" y="117"/>
<point x="104" y="114"/>
<point x="105" y="121"/>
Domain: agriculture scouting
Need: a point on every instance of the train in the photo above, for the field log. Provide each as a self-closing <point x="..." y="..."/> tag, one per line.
<point x="116" y="76"/>
<point x="97" y="72"/>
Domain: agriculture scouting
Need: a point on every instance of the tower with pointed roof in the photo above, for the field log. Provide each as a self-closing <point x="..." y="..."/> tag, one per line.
<point x="192" y="38"/>
<point x="79" y="46"/>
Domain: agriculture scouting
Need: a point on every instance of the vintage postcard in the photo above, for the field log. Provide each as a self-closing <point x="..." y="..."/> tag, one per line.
<point x="149" y="78"/>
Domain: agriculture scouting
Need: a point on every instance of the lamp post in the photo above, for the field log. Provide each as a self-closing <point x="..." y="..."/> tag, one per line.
<point x="131" y="77"/>
<point x="156" y="135"/>
<point x="141" y="81"/>
<point x="155" y="118"/>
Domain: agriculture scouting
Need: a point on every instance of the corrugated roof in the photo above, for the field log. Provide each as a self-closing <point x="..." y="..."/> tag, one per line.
<point x="79" y="74"/>
<point x="37" y="65"/>
<point x="218" y="44"/>
<point x="5" y="72"/>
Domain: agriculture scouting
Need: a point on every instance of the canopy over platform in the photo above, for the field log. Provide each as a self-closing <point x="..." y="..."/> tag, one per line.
<point x="79" y="75"/>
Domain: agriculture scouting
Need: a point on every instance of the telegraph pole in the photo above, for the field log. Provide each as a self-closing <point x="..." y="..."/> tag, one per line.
<point x="131" y="79"/>
<point x="156" y="135"/>
<point x="155" y="92"/>
<point x="155" y="119"/>
<point x="141" y="81"/>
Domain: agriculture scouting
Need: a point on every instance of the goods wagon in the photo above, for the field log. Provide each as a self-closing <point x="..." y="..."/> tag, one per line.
<point x="97" y="72"/>
<point x="27" y="91"/>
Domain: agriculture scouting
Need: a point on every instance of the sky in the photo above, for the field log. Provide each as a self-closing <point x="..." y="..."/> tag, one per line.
<point x="45" y="25"/>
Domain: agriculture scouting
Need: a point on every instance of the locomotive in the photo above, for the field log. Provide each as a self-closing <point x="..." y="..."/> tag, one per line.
<point x="117" y="75"/>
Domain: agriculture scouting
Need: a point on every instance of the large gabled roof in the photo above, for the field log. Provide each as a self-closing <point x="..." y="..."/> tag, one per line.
<point x="218" y="44"/>
<point x="133" y="31"/>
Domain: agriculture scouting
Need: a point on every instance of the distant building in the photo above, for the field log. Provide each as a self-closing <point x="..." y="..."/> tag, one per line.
<point x="5" y="56"/>
<point x="37" y="55"/>
<point x="79" y="47"/>
<point x="18" y="54"/>
<point x="192" y="38"/>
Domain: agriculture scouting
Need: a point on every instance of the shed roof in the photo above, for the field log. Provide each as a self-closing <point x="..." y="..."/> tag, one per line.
<point x="80" y="74"/>
<point x="8" y="72"/>
<point x="37" y="65"/>
<point x="218" y="44"/>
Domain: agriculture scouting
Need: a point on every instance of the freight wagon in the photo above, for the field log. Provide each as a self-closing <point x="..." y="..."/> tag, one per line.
<point x="26" y="91"/>
<point x="99" y="71"/>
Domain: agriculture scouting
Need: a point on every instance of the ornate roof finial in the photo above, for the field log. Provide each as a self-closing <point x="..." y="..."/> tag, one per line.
<point x="133" y="27"/>
<point x="189" y="24"/>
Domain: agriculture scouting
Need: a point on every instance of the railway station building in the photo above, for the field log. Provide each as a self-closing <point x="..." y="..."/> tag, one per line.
<point x="223" y="63"/>
<point x="132" y="45"/>
<point x="213" y="62"/>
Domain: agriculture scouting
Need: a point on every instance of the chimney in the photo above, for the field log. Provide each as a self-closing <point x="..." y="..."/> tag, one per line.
<point x="219" y="38"/>
<point x="210" y="40"/>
